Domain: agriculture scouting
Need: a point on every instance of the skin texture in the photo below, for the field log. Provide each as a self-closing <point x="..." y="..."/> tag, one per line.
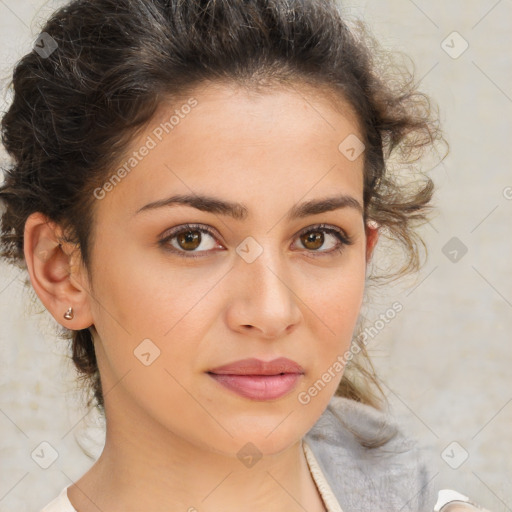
<point x="173" y="433"/>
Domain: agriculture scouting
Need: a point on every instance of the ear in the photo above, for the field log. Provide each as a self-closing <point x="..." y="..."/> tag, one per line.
<point x="55" y="272"/>
<point x="372" y="236"/>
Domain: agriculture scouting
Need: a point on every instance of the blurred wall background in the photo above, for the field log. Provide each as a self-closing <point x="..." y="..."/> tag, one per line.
<point x="445" y="358"/>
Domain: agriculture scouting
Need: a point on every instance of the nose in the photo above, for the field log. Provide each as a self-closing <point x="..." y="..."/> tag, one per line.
<point x="263" y="300"/>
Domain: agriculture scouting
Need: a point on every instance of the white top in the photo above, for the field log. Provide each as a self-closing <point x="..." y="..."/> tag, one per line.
<point x="62" y="503"/>
<point x="330" y="501"/>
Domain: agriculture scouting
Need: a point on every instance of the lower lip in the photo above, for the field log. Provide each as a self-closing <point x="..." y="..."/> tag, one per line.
<point x="259" y="387"/>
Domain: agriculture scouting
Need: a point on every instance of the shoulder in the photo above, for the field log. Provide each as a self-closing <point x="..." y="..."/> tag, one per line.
<point x="368" y="460"/>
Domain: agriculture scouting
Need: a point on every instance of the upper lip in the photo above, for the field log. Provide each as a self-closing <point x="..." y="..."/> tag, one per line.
<point x="254" y="366"/>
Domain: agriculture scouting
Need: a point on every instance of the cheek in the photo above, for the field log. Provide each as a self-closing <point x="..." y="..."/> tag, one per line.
<point x="139" y="297"/>
<point x="337" y="296"/>
<point x="335" y="304"/>
<point x="151" y="322"/>
<point x="145" y="292"/>
<point x="344" y="308"/>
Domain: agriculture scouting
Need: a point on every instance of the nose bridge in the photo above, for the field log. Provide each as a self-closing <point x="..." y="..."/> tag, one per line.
<point x="264" y="296"/>
<point x="264" y="274"/>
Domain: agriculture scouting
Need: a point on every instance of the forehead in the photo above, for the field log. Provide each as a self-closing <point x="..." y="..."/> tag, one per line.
<point x="295" y="102"/>
<point x="242" y="143"/>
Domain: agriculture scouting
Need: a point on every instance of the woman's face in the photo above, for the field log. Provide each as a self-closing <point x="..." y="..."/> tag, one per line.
<point x="171" y="303"/>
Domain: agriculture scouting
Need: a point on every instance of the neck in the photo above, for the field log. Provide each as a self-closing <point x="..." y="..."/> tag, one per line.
<point x="144" y="466"/>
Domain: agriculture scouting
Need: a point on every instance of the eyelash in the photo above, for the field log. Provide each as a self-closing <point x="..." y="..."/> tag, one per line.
<point x="343" y="238"/>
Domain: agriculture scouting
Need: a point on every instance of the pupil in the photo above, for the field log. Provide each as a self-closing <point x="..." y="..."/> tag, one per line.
<point x="190" y="240"/>
<point x="317" y="239"/>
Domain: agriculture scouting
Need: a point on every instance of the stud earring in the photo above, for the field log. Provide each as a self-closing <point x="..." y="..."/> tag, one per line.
<point x="68" y="315"/>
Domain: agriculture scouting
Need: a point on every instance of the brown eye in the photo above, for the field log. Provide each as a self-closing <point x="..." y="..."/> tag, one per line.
<point x="324" y="240"/>
<point x="313" y="240"/>
<point x="189" y="240"/>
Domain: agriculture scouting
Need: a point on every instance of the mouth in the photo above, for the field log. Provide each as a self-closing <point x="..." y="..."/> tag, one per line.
<point x="259" y="380"/>
<point x="259" y="387"/>
<point x="253" y="366"/>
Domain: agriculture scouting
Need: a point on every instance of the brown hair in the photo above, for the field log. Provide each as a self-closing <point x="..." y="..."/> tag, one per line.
<point x="75" y="110"/>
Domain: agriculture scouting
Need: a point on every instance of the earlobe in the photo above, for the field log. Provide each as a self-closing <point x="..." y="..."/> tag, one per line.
<point x="372" y="236"/>
<point x="58" y="283"/>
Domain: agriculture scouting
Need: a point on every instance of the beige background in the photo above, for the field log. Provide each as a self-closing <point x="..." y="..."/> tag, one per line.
<point x="445" y="358"/>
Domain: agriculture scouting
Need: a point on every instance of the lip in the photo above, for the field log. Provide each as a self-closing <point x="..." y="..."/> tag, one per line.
<point x="253" y="366"/>
<point x="259" y="380"/>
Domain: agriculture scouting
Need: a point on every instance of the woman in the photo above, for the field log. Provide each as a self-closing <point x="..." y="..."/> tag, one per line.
<point x="196" y="193"/>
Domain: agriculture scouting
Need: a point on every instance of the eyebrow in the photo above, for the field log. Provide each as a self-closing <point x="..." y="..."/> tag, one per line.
<point x="239" y="211"/>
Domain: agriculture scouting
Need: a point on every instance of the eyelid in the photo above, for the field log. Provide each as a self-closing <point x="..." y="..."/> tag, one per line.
<point x="329" y="228"/>
<point x="343" y="238"/>
<point x="169" y="233"/>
